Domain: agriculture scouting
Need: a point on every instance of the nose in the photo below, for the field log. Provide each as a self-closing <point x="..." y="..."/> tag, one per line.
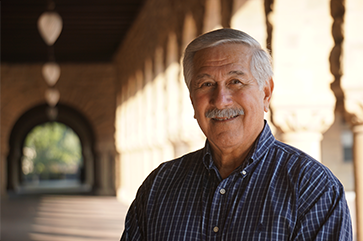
<point x="222" y="97"/>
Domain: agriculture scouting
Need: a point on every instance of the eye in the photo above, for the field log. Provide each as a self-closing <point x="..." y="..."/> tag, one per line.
<point x="235" y="81"/>
<point x="206" y="84"/>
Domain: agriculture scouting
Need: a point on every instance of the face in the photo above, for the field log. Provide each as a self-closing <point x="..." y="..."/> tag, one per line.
<point x="222" y="80"/>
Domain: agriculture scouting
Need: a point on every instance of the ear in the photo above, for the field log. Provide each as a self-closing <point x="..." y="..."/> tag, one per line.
<point x="267" y="89"/>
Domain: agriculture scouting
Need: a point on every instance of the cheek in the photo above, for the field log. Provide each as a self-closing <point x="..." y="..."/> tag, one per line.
<point x="252" y="103"/>
<point x="197" y="107"/>
<point x="199" y="102"/>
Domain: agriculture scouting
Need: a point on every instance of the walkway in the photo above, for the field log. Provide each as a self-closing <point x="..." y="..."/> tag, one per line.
<point x="61" y="218"/>
<point x="69" y="218"/>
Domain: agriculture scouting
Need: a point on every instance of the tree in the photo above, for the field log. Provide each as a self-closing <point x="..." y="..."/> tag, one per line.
<point x="51" y="150"/>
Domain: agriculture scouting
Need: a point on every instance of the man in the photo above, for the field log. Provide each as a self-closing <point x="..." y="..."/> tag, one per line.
<point x="244" y="184"/>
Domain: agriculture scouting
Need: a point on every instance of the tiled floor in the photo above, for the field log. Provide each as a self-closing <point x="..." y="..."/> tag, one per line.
<point x="61" y="218"/>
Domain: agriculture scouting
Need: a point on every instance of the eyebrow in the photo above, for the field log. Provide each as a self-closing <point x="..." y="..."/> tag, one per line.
<point x="236" y="72"/>
<point x="232" y="72"/>
<point x="201" y="76"/>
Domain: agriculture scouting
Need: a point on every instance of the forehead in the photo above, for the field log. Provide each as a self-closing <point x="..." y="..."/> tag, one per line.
<point x="222" y="55"/>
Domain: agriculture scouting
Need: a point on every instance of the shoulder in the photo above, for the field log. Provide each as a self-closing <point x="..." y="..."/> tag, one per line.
<point x="315" y="190"/>
<point x="284" y="159"/>
<point x="174" y="169"/>
<point x="180" y="164"/>
<point x="310" y="178"/>
<point x="302" y="165"/>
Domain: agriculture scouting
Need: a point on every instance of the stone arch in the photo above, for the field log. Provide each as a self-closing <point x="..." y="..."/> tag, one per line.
<point x="38" y="115"/>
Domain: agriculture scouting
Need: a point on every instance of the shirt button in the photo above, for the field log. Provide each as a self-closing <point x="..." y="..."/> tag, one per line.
<point x="215" y="229"/>
<point x="244" y="172"/>
<point x="222" y="191"/>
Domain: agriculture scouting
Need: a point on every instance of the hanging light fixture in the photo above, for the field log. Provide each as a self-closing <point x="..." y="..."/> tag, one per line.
<point x="50" y="25"/>
<point x="52" y="113"/>
<point x="52" y="96"/>
<point x="51" y="73"/>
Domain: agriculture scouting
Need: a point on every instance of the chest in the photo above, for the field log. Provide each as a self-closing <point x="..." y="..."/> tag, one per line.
<point x="241" y="207"/>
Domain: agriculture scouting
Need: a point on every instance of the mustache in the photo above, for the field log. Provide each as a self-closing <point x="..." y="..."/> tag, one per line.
<point x="230" y="112"/>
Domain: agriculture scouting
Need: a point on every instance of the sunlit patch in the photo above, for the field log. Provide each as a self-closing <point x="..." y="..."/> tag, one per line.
<point x="77" y="218"/>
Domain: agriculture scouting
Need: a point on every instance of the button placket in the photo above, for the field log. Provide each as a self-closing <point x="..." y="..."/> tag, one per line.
<point x="218" y="215"/>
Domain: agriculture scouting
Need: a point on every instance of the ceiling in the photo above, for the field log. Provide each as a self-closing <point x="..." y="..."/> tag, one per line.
<point x="92" y="29"/>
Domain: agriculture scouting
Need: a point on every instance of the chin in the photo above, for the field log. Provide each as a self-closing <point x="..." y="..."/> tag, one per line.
<point x="227" y="141"/>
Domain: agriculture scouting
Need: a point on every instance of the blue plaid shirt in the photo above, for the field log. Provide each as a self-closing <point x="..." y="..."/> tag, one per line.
<point x="280" y="193"/>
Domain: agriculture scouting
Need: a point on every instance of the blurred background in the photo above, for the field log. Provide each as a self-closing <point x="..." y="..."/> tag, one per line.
<point x="93" y="99"/>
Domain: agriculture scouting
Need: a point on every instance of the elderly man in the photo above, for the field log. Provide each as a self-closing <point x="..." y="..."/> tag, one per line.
<point x="244" y="184"/>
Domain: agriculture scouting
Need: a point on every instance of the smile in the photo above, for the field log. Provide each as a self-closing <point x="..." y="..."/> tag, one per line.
<point x="224" y="118"/>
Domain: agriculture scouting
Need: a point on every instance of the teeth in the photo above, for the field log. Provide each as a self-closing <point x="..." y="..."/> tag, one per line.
<point x="225" y="118"/>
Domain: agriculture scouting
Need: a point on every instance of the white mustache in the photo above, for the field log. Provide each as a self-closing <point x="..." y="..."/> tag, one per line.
<point x="224" y="113"/>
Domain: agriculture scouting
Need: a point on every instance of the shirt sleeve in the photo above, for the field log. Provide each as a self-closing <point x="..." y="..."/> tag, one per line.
<point x="134" y="223"/>
<point x="325" y="214"/>
<point x="136" y="218"/>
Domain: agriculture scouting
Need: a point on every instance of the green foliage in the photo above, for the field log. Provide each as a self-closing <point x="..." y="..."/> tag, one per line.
<point x="52" y="148"/>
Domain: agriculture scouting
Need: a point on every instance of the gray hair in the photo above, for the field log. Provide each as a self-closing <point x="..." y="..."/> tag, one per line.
<point x="261" y="64"/>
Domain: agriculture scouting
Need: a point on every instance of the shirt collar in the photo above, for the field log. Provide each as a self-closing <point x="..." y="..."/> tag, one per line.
<point x="207" y="156"/>
<point x="262" y="144"/>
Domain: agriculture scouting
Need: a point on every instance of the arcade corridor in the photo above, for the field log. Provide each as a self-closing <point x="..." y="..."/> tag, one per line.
<point x="120" y="87"/>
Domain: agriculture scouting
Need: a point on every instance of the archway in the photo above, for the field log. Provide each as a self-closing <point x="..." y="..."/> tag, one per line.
<point x="38" y="115"/>
<point x="52" y="158"/>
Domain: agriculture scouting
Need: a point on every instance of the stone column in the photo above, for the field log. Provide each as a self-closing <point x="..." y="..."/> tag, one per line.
<point x="249" y="16"/>
<point x="89" y="167"/>
<point x="352" y="85"/>
<point x="303" y="103"/>
<point x="191" y="137"/>
<point x="212" y="16"/>
<point x="302" y="126"/>
<point x="105" y="168"/>
<point x="176" y="91"/>
<point x="14" y="168"/>
<point x="358" y="170"/>
<point x="3" y="173"/>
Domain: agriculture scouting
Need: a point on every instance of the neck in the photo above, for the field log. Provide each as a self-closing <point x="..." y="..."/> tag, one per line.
<point x="228" y="158"/>
<point x="227" y="162"/>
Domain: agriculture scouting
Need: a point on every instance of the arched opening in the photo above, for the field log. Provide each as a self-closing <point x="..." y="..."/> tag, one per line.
<point x="67" y="119"/>
<point x="52" y="158"/>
